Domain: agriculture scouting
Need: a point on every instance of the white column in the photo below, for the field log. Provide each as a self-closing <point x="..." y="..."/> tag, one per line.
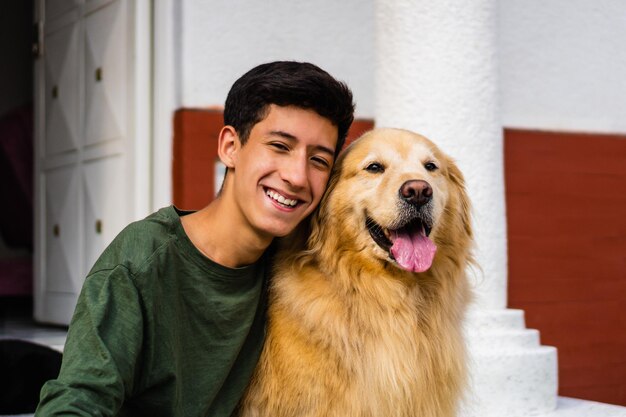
<point x="437" y="74"/>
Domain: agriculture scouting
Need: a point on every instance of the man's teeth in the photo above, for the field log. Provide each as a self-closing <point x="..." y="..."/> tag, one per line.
<point x="281" y="199"/>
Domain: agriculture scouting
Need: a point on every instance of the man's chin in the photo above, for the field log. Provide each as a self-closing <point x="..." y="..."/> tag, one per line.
<point x="280" y="232"/>
<point x="286" y="229"/>
<point x="280" y="225"/>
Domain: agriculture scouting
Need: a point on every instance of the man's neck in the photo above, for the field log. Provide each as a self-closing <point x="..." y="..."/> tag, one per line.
<point x="221" y="237"/>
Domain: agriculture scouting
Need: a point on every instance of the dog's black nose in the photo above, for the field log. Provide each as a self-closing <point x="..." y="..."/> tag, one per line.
<point x="416" y="192"/>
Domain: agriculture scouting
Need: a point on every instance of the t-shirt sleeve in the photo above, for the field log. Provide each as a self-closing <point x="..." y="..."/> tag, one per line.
<point x="101" y="352"/>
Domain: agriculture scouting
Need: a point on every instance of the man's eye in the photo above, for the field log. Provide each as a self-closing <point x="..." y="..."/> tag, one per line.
<point x="321" y="162"/>
<point x="280" y="146"/>
<point x="430" y="166"/>
<point x="375" y="168"/>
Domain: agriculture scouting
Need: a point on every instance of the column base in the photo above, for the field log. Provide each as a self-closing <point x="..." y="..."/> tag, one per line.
<point x="573" y="407"/>
<point x="511" y="374"/>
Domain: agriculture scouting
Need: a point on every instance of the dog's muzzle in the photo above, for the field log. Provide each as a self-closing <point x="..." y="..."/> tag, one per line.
<point x="407" y="241"/>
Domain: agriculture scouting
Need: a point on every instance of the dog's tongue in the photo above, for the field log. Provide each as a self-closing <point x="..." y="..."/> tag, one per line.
<point x="413" y="252"/>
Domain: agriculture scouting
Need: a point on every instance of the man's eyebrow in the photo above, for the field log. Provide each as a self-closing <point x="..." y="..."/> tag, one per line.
<point x="283" y="134"/>
<point x="324" y="149"/>
<point x="291" y="137"/>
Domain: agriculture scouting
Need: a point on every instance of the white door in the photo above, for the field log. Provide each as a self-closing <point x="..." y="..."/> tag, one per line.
<point x="91" y="156"/>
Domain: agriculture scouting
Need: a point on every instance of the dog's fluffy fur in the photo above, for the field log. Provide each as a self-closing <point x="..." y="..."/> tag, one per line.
<point x="351" y="333"/>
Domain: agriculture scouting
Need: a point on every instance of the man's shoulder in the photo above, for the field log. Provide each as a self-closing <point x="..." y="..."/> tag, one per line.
<point x="161" y="223"/>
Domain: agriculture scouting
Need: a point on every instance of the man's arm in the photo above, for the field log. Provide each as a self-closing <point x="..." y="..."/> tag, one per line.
<point x="102" y="349"/>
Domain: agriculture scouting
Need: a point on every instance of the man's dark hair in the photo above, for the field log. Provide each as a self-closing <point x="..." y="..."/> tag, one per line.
<point x="288" y="83"/>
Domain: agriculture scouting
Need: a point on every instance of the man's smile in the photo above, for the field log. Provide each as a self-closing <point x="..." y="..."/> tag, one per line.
<point x="280" y="199"/>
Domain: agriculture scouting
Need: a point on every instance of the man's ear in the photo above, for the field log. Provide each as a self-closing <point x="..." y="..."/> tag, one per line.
<point x="228" y="146"/>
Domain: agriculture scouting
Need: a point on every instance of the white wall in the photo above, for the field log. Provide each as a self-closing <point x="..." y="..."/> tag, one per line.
<point x="222" y="39"/>
<point x="563" y="64"/>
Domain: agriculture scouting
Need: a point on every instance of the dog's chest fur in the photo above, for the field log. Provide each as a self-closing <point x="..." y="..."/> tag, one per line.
<point x="328" y="346"/>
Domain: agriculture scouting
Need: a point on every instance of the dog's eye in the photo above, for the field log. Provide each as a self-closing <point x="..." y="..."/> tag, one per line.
<point x="375" y="168"/>
<point x="430" y="166"/>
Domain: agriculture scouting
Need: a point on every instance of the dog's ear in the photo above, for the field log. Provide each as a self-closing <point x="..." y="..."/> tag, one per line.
<point x="465" y="208"/>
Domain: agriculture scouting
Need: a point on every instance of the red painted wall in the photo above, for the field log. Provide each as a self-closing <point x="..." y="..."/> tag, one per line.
<point x="566" y="213"/>
<point x="195" y="152"/>
<point x="194" y="156"/>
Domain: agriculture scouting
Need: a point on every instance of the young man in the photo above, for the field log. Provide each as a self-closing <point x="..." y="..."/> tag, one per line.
<point x="170" y="320"/>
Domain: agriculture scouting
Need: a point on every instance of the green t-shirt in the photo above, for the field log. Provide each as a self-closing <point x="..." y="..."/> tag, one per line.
<point x="160" y="330"/>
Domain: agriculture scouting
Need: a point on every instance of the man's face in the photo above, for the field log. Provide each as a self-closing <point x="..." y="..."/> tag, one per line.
<point x="281" y="173"/>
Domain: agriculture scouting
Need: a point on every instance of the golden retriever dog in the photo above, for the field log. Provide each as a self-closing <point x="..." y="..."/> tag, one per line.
<point x="366" y="320"/>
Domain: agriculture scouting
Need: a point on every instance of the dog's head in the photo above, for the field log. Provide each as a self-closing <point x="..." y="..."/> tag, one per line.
<point x="394" y="197"/>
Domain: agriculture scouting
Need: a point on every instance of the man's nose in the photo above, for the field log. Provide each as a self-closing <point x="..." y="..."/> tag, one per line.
<point x="294" y="171"/>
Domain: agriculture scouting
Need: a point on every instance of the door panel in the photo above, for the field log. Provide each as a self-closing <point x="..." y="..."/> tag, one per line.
<point x="105" y="74"/>
<point x="62" y="230"/>
<point x="106" y="211"/>
<point x="62" y="95"/>
<point x="55" y="8"/>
